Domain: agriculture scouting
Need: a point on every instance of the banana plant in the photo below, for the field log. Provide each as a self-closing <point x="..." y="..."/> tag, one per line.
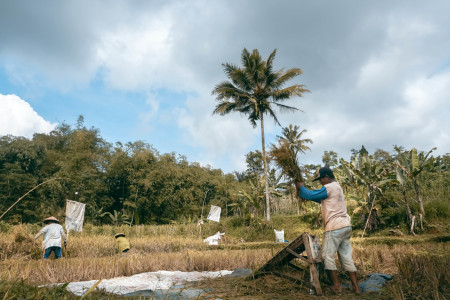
<point x="412" y="164"/>
<point x="117" y="218"/>
<point x="400" y="176"/>
<point x="365" y="171"/>
<point x="250" y="202"/>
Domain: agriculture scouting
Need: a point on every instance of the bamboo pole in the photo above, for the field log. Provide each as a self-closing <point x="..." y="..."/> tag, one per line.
<point x="27" y="194"/>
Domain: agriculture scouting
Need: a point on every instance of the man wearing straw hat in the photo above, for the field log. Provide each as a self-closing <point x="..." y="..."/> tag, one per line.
<point x="52" y="237"/>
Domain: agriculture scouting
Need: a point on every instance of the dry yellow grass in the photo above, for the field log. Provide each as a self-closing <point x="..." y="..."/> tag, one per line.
<point x="418" y="264"/>
<point x="87" y="268"/>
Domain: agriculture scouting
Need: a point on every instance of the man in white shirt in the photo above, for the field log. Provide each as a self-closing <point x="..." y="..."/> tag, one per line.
<point x="52" y="237"/>
<point x="338" y="229"/>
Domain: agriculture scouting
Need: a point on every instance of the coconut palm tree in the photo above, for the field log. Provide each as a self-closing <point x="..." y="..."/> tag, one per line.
<point x="255" y="89"/>
<point x="293" y="137"/>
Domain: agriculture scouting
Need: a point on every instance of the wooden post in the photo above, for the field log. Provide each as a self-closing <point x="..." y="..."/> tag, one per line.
<point x="291" y="251"/>
<point x="312" y="264"/>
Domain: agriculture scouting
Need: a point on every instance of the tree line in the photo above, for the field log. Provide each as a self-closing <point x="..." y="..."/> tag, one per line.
<point x="135" y="184"/>
<point x="119" y="183"/>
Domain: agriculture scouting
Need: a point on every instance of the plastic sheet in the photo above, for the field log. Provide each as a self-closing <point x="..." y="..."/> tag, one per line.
<point x="214" y="239"/>
<point x="74" y="216"/>
<point x="161" y="280"/>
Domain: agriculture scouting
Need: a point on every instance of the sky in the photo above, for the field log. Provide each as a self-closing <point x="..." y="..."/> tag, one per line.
<point x="378" y="72"/>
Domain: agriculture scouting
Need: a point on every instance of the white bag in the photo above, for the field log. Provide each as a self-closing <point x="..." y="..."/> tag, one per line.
<point x="279" y="236"/>
<point x="214" y="213"/>
<point x="74" y="216"/>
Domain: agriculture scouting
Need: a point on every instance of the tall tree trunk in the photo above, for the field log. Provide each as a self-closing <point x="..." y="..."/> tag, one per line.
<point x="266" y="177"/>
<point x="419" y="200"/>
<point x="410" y="216"/>
<point x="371" y="205"/>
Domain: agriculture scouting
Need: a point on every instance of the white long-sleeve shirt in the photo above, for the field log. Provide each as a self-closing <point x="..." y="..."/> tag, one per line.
<point x="52" y="235"/>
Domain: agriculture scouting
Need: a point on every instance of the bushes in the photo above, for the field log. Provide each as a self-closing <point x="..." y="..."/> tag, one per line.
<point x="4" y="227"/>
<point x="437" y="209"/>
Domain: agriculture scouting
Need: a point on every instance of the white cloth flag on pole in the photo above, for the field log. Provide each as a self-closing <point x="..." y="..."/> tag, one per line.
<point x="74" y="215"/>
<point x="214" y="213"/>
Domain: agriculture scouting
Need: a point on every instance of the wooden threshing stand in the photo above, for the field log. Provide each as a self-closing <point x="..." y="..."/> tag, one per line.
<point x="293" y="250"/>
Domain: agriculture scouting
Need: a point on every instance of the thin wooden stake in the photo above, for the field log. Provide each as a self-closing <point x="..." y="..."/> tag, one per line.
<point x="27" y="194"/>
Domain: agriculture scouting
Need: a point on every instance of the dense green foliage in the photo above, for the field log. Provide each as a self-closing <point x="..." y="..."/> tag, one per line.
<point x="132" y="182"/>
<point x="135" y="184"/>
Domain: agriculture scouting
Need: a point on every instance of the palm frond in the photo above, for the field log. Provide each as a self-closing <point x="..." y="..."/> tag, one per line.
<point x="284" y="76"/>
<point x="271" y="113"/>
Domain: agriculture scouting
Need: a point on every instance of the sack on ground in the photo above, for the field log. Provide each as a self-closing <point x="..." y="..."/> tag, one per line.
<point x="279" y="236"/>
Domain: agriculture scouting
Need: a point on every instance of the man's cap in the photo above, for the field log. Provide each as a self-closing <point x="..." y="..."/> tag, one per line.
<point x="324" y="171"/>
<point x="51" y="219"/>
<point x="119" y="234"/>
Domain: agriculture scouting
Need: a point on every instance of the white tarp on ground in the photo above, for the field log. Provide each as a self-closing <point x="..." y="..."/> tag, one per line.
<point x="74" y="215"/>
<point x="279" y="236"/>
<point x="160" y="280"/>
<point x="214" y="213"/>
<point x="214" y="239"/>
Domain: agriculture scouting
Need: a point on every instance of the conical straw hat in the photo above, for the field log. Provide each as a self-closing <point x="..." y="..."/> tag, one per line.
<point x="52" y="218"/>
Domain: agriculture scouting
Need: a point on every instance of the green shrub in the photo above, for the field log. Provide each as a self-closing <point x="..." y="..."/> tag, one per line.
<point x="235" y="222"/>
<point x="437" y="209"/>
<point x="393" y="216"/>
<point x="4" y="227"/>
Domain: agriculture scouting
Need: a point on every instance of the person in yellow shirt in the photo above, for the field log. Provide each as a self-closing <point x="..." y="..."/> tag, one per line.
<point x="122" y="243"/>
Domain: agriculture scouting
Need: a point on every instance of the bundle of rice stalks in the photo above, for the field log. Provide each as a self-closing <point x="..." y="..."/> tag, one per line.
<point x="286" y="160"/>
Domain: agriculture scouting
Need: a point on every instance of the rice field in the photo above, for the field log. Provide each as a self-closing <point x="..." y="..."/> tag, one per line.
<point x="420" y="265"/>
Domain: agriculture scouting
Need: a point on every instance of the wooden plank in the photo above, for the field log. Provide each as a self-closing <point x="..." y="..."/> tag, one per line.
<point x="316" y="279"/>
<point x="298" y="255"/>
<point x="295" y="267"/>
<point x="312" y="266"/>
<point x="283" y="256"/>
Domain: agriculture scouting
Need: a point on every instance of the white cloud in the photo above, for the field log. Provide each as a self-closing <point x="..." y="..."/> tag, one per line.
<point x="18" y="118"/>
<point x="423" y="114"/>
<point x="229" y="136"/>
<point x="368" y="66"/>
<point x="135" y="54"/>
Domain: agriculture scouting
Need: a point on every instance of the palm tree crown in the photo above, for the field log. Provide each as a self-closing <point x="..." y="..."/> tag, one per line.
<point x="255" y="87"/>
<point x="293" y="137"/>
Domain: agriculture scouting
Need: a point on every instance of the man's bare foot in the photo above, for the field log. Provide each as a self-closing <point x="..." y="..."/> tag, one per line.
<point x="336" y="289"/>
